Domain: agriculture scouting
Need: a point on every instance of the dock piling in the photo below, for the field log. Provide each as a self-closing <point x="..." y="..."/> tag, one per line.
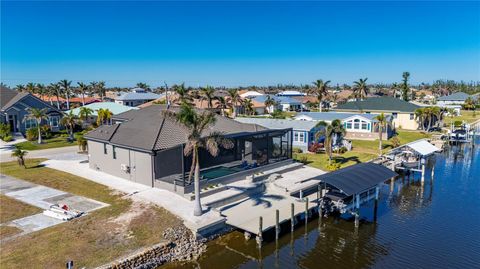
<point x="277" y="226"/>
<point x="260" y="231"/>
<point x="375" y="209"/>
<point x="423" y="173"/>
<point x="292" y="217"/>
<point x="357" y="218"/>
<point x="306" y="210"/>
<point x="433" y="172"/>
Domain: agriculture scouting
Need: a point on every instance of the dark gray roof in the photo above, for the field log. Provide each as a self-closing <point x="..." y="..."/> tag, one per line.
<point x="148" y="129"/>
<point x="9" y="97"/>
<point x="358" y="178"/>
<point x="389" y="104"/>
<point x="458" y="96"/>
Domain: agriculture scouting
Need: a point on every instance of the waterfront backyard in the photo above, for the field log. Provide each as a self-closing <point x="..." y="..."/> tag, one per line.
<point x="92" y="240"/>
<point x="430" y="225"/>
<point x="362" y="150"/>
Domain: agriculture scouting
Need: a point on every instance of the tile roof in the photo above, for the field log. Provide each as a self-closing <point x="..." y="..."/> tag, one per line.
<point x="148" y="129"/>
<point x="387" y="104"/>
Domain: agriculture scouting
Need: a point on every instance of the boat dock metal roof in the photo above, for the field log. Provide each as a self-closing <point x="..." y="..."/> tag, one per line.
<point x="358" y="178"/>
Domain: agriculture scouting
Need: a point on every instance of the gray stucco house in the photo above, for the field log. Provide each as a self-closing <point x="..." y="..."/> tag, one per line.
<point x="15" y="105"/>
<point x="136" y="97"/>
<point x="146" y="147"/>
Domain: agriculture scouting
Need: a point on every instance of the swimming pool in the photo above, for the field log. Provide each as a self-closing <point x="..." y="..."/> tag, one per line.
<point x="220" y="171"/>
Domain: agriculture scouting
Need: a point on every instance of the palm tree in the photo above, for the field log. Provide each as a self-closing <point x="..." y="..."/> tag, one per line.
<point x="182" y="94"/>
<point x="69" y="120"/>
<point x="55" y="89"/>
<point x="420" y="116"/>
<point x="82" y="143"/>
<point x="103" y="115"/>
<point x="207" y="94"/>
<point x="41" y="90"/>
<point x="20" y="87"/>
<point x="405" y="77"/>
<point x="197" y="125"/>
<point x="360" y="88"/>
<point x="270" y="104"/>
<point x="247" y="103"/>
<point x="82" y="89"/>
<point x="31" y="88"/>
<point x="382" y="123"/>
<point x="143" y="85"/>
<point x="222" y="104"/>
<point x="100" y="89"/>
<point x="38" y="115"/>
<point x="320" y="91"/>
<point x="234" y="100"/>
<point x="65" y="85"/>
<point x="20" y="155"/>
<point x="84" y="113"/>
<point x="469" y="104"/>
<point x="330" y="132"/>
<point x="394" y="88"/>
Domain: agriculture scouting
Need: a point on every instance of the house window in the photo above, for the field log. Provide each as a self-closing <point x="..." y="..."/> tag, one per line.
<point x="412" y="116"/>
<point x="356" y="124"/>
<point x="364" y="125"/>
<point x="54" y="121"/>
<point x="114" y="152"/>
<point x="349" y="125"/>
<point x="105" y="148"/>
<point x="301" y="137"/>
<point x="394" y="115"/>
<point x="30" y="123"/>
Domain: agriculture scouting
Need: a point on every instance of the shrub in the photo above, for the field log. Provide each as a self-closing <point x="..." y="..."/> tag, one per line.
<point x="458" y="123"/>
<point x="297" y="150"/>
<point x="303" y="159"/>
<point x="82" y="144"/>
<point x="278" y="114"/>
<point x="342" y="150"/>
<point x="315" y="147"/>
<point x="4" y="130"/>
<point x="32" y="134"/>
<point x="333" y="166"/>
<point x="395" y="142"/>
<point x="46" y="131"/>
<point x="7" y="138"/>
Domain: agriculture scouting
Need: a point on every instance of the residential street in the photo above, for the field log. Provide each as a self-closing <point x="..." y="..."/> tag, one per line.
<point x="62" y="153"/>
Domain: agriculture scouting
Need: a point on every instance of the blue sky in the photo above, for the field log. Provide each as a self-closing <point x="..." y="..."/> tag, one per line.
<point x="234" y="43"/>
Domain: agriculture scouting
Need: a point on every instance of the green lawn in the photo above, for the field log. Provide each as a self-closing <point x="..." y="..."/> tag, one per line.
<point x="92" y="240"/>
<point x="362" y="150"/>
<point x="321" y="160"/>
<point x="466" y="115"/>
<point x="55" y="142"/>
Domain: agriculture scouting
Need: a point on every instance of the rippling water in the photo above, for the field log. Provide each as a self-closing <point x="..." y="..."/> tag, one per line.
<point x="436" y="225"/>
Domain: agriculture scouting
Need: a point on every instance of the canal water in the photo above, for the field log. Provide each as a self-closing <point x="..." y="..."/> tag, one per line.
<point x="436" y="225"/>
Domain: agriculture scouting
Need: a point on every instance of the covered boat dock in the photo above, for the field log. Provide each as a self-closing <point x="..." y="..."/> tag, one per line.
<point x="347" y="189"/>
<point x="343" y="190"/>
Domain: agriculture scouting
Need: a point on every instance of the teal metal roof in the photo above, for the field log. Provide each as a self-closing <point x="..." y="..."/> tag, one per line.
<point x="113" y="107"/>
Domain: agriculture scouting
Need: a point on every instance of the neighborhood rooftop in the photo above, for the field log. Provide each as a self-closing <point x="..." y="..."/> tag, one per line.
<point x="458" y="96"/>
<point x="330" y="116"/>
<point x="279" y="123"/>
<point x="278" y="99"/>
<point x="148" y="129"/>
<point x="138" y="94"/>
<point x="111" y="106"/>
<point x="379" y="104"/>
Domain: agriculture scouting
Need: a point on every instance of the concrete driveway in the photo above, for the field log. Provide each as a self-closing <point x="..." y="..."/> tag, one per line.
<point x="41" y="197"/>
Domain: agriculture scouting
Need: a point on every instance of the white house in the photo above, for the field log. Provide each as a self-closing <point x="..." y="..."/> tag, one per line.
<point x="457" y="98"/>
<point x="136" y="97"/>
<point x="291" y="93"/>
<point x="250" y="94"/>
<point x="283" y="103"/>
<point x="358" y="126"/>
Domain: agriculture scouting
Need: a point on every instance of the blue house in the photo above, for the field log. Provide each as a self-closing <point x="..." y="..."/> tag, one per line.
<point x="303" y="131"/>
<point x="14" y="107"/>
